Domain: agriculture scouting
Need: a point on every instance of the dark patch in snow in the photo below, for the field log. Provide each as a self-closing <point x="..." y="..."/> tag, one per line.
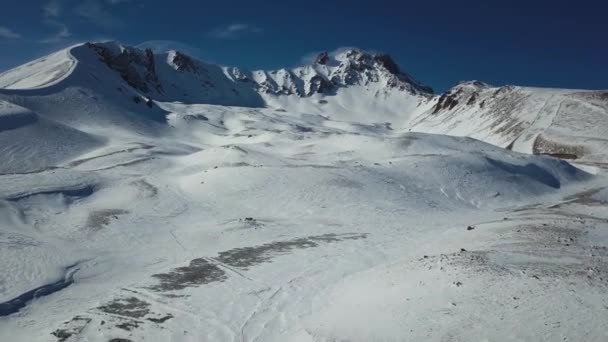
<point x="130" y="307"/>
<point x="198" y="272"/>
<point x="202" y="271"/>
<point x="128" y="325"/>
<point x="99" y="218"/>
<point x="545" y="146"/>
<point x="71" y="328"/>
<point x="190" y="117"/>
<point x="345" y="183"/>
<point x="251" y="256"/>
<point x="251" y="222"/>
<point x="161" y="319"/>
<point x="147" y="189"/>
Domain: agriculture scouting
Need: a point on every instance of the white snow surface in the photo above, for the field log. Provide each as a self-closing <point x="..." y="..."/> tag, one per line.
<point x="221" y="218"/>
<point x="40" y="73"/>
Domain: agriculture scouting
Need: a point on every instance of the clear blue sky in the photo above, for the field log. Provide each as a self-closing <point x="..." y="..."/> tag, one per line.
<point x="537" y="43"/>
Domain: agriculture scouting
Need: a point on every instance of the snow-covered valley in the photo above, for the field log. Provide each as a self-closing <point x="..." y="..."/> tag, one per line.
<point x="154" y="197"/>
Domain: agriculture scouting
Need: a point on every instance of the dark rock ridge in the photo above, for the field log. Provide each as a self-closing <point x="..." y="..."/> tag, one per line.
<point x="126" y="61"/>
<point x="318" y="84"/>
<point x="447" y="101"/>
<point x="184" y="63"/>
<point x="322" y="58"/>
<point x="468" y="94"/>
<point x="375" y="67"/>
<point x="198" y="80"/>
<point x="387" y="62"/>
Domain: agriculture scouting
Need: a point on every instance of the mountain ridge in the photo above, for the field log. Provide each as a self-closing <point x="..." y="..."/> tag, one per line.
<point x="350" y="85"/>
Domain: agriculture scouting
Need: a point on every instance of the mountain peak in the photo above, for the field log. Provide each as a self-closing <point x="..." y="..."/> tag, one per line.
<point x="322" y="58"/>
<point x="473" y="84"/>
<point x="361" y="56"/>
<point x="350" y="66"/>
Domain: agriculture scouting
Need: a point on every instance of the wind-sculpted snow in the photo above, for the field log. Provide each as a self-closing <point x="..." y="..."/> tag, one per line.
<point x="530" y="170"/>
<point x="48" y="143"/>
<point x="10" y="121"/>
<point x="16" y="304"/>
<point x="40" y="73"/>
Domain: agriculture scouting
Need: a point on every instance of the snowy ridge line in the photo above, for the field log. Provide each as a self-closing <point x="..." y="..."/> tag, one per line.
<point x="120" y="86"/>
<point x="50" y="78"/>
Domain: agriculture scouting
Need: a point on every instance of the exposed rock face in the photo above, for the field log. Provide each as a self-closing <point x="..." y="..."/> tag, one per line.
<point x="322" y="58"/>
<point x="387" y="62"/>
<point x="137" y="68"/>
<point x="359" y="67"/>
<point x="280" y="82"/>
<point x="467" y="93"/>
<point x="183" y="62"/>
<point x="318" y="84"/>
<point x="329" y="72"/>
<point x="447" y="101"/>
<point x="543" y="145"/>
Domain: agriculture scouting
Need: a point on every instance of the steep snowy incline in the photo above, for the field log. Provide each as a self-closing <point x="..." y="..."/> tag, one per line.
<point x="564" y="123"/>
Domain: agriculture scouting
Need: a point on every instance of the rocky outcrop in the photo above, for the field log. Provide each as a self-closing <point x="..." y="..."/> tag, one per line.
<point x="183" y="62"/>
<point x="469" y="93"/>
<point x="322" y="58"/>
<point x="447" y="101"/>
<point x="545" y="146"/>
<point x="359" y="67"/>
<point x="329" y="72"/>
<point x="135" y="66"/>
<point x="387" y="62"/>
<point x="318" y="84"/>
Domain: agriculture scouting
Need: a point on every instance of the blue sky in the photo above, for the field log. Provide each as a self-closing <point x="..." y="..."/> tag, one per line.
<point x="537" y="43"/>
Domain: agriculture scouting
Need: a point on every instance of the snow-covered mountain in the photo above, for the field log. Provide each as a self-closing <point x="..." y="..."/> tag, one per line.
<point x="565" y="123"/>
<point x="352" y="85"/>
<point x="155" y="197"/>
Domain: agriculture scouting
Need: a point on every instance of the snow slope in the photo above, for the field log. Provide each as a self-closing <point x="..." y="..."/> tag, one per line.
<point x="29" y="142"/>
<point x="250" y="211"/>
<point x="560" y="122"/>
<point x="40" y="73"/>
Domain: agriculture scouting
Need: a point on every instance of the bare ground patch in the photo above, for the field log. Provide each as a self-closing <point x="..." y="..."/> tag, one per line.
<point x="99" y="218"/>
